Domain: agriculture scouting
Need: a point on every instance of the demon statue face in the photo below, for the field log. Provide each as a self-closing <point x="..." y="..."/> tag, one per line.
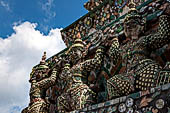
<point x="65" y="75"/>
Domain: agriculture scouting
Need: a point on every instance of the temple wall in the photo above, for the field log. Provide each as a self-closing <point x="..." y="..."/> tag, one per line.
<point x="94" y="27"/>
<point x="155" y="100"/>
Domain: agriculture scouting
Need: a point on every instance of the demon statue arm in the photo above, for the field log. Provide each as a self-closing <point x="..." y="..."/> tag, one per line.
<point x="114" y="51"/>
<point x="159" y="39"/>
<point x="94" y="63"/>
<point x="48" y="82"/>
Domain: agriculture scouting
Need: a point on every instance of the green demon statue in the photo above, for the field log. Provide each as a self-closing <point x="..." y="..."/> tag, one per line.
<point x="77" y="94"/>
<point x="141" y="72"/>
<point x="41" y="79"/>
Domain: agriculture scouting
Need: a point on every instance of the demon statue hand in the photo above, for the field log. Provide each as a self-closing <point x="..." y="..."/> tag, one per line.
<point x="76" y="93"/>
<point x="141" y="72"/>
<point x="41" y="79"/>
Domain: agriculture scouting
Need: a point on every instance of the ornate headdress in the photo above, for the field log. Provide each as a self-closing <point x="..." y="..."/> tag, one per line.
<point x="78" y="44"/>
<point x="42" y="65"/>
<point x="133" y="13"/>
<point x="67" y="66"/>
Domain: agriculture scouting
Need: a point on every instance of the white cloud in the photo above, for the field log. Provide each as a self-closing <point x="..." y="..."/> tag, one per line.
<point x="5" y="5"/>
<point x="18" y="54"/>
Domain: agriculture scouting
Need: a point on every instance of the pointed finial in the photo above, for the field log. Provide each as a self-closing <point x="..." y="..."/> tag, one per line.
<point x="43" y="64"/>
<point x="78" y="35"/>
<point x="43" y="58"/>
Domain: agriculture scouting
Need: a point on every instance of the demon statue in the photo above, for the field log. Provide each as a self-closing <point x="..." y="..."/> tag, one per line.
<point x="41" y="79"/>
<point x="77" y="93"/>
<point x="141" y="71"/>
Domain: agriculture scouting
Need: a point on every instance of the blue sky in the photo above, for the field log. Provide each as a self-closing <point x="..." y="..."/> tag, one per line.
<point x="27" y="29"/>
<point x="46" y="13"/>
